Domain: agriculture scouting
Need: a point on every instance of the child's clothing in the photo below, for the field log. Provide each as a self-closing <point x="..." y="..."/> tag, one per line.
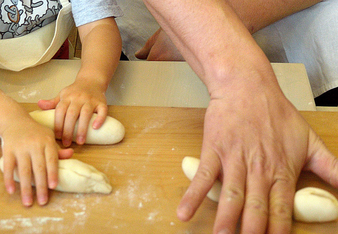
<point x="36" y="32"/>
<point x="98" y="9"/>
<point x="19" y="18"/>
<point x="308" y="37"/>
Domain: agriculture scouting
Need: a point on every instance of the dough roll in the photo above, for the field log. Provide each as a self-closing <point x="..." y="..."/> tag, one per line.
<point x="111" y="132"/>
<point x="77" y="177"/>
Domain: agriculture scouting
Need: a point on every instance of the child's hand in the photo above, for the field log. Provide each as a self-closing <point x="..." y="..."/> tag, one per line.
<point x="31" y="149"/>
<point x="77" y="102"/>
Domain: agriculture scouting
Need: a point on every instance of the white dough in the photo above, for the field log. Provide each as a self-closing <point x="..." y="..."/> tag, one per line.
<point x="310" y="204"/>
<point x="111" y="132"/>
<point x="315" y="205"/>
<point x="77" y="177"/>
<point x="190" y="166"/>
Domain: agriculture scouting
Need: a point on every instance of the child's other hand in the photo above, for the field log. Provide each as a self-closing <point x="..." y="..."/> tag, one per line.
<point x="77" y="102"/>
<point x="31" y="149"/>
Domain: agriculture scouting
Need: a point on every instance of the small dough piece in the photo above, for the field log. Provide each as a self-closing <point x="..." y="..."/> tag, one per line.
<point x="77" y="177"/>
<point x="190" y="166"/>
<point x="111" y="132"/>
<point x="315" y="205"/>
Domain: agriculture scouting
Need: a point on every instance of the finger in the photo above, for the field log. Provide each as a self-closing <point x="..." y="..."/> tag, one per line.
<point x="69" y="125"/>
<point x="200" y="185"/>
<point x="51" y="155"/>
<point x="25" y="175"/>
<point x="281" y="204"/>
<point x="102" y="112"/>
<point x="48" y="104"/>
<point x="144" y="51"/>
<point x="255" y="213"/>
<point x="84" y="119"/>
<point x="40" y="178"/>
<point x="9" y="167"/>
<point x="60" y="115"/>
<point x="321" y="161"/>
<point x="232" y="196"/>
<point x="65" y="153"/>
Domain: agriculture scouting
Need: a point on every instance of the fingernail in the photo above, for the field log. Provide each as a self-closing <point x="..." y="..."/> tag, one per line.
<point x="27" y="201"/>
<point x="80" y="140"/>
<point x="10" y="189"/>
<point x="42" y="200"/>
<point x="184" y="212"/>
<point x="95" y="125"/>
<point x="225" y="231"/>
<point x="67" y="143"/>
<point x="52" y="185"/>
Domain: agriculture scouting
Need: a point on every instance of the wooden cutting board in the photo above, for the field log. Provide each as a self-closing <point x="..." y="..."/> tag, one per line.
<point x="147" y="179"/>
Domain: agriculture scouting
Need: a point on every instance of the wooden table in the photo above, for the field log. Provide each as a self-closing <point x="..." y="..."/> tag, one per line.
<point x="145" y="172"/>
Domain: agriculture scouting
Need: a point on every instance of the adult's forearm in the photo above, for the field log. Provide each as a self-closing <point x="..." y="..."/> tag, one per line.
<point x="211" y="38"/>
<point x="260" y="13"/>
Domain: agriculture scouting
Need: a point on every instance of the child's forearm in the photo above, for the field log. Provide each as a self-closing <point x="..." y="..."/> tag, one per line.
<point x="10" y="110"/>
<point x="101" y="50"/>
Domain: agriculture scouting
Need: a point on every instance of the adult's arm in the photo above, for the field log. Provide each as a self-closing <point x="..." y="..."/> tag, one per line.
<point x="255" y="15"/>
<point x="254" y="138"/>
<point x="260" y="13"/>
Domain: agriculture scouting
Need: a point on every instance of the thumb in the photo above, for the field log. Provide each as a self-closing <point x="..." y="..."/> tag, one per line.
<point x="65" y="153"/>
<point x="145" y="50"/>
<point x="322" y="162"/>
<point x="48" y="104"/>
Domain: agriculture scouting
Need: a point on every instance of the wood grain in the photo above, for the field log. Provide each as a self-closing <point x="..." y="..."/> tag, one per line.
<point x="147" y="179"/>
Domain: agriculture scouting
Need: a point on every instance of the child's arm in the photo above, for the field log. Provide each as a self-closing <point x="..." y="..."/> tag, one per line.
<point x="101" y="50"/>
<point x="31" y="149"/>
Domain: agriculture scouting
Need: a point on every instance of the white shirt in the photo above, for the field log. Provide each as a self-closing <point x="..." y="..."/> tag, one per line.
<point x="309" y="37"/>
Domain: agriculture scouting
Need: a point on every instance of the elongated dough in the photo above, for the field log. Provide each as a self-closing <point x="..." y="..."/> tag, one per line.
<point x="77" y="177"/>
<point x="310" y="204"/>
<point x="190" y="166"/>
<point x="111" y="132"/>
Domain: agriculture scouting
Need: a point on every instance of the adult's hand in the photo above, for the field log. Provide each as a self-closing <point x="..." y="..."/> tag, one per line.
<point x="254" y="139"/>
<point x="258" y="149"/>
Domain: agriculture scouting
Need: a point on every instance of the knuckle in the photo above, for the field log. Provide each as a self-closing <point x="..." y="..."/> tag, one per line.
<point x="257" y="204"/>
<point x="233" y="193"/>
<point x="52" y="160"/>
<point x="259" y="164"/>
<point x="25" y="172"/>
<point x="26" y="189"/>
<point x="41" y="187"/>
<point x="87" y="110"/>
<point x="205" y="174"/>
<point x="72" y="112"/>
<point x="39" y="169"/>
<point x="50" y="139"/>
<point x="193" y="194"/>
<point x="280" y="210"/>
<point x="61" y="107"/>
